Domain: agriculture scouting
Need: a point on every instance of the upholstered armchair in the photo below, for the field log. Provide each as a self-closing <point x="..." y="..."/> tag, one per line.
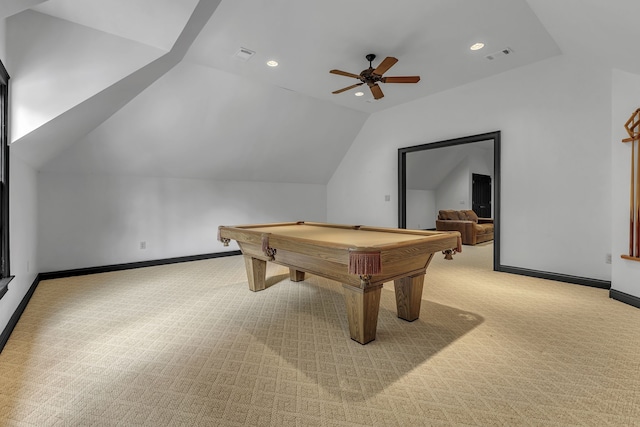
<point x="473" y="229"/>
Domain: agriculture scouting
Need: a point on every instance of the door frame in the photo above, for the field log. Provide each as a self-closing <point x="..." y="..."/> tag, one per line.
<point x="402" y="181"/>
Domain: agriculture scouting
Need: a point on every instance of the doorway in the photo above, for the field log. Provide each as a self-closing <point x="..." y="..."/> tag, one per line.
<point x="481" y="195"/>
<point x="493" y="137"/>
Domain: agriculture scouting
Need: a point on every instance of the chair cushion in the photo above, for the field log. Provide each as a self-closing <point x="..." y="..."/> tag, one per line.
<point x="469" y="215"/>
<point x="449" y="214"/>
<point x="483" y="228"/>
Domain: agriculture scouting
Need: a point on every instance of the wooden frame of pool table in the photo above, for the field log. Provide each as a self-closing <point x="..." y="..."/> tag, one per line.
<point x="361" y="258"/>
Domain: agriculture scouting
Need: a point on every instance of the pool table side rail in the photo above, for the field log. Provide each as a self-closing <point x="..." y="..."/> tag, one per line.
<point x="247" y="232"/>
<point x="343" y="226"/>
<point x="323" y="264"/>
<point x="341" y="252"/>
<point x="334" y="260"/>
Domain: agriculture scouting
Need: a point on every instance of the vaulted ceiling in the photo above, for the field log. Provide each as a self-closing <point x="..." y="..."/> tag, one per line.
<point x="427" y="169"/>
<point x="154" y="87"/>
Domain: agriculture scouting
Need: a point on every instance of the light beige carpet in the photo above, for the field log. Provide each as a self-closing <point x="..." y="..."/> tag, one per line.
<point x="189" y="344"/>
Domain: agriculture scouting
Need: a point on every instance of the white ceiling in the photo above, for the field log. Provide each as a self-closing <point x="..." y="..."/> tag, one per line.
<point x="429" y="38"/>
<point x="290" y="109"/>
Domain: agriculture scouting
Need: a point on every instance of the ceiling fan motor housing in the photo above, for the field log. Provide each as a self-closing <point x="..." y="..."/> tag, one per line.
<point x="369" y="77"/>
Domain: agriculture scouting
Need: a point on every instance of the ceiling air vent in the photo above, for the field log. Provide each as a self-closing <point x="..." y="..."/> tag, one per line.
<point x="499" y="54"/>
<point x="244" y="54"/>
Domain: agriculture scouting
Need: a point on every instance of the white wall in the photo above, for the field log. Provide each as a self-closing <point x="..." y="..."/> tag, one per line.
<point x="453" y="191"/>
<point x="555" y="118"/>
<point x="625" y="275"/>
<point x="447" y="173"/>
<point x="95" y="220"/>
<point x="23" y="236"/>
<point x="3" y="45"/>
<point x="456" y="190"/>
<point x="421" y="209"/>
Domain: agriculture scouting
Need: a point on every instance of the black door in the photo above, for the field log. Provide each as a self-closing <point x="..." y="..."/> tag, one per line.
<point x="481" y="195"/>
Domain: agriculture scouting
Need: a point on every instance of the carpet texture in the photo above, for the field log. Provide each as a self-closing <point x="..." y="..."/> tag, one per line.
<point x="188" y="344"/>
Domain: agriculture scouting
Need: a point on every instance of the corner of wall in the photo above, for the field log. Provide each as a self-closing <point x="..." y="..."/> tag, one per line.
<point x="23" y="227"/>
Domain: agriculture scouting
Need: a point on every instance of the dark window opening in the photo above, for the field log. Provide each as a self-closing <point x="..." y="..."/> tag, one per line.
<point x="4" y="181"/>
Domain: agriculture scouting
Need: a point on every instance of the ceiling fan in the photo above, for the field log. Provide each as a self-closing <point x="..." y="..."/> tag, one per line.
<point x="372" y="77"/>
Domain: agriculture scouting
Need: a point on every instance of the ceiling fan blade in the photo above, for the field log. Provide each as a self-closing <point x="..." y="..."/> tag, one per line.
<point x="388" y="62"/>
<point x="344" y="73"/>
<point x="347" y="88"/>
<point x="376" y="91"/>
<point x="401" y="79"/>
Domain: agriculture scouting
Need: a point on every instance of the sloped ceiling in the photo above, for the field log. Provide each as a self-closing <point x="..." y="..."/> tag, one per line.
<point x="156" y="23"/>
<point x="48" y="80"/>
<point x="236" y="129"/>
<point x="191" y="109"/>
<point x="428" y="168"/>
<point x="11" y="7"/>
<point x="604" y="32"/>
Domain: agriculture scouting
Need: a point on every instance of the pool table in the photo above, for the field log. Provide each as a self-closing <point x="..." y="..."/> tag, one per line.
<point x="361" y="258"/>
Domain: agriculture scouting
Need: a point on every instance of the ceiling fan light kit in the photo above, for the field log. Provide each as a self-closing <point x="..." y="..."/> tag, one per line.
<point x="371" y="77"/>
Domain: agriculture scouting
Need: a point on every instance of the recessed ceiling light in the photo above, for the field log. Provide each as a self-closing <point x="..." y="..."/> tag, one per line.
<point x="477" y="46"/>
<point x="272" y="63"/>
<point x="359" y="93"/>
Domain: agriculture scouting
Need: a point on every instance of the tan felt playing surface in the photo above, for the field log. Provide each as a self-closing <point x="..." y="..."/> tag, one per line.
<point x="339" y="235"/>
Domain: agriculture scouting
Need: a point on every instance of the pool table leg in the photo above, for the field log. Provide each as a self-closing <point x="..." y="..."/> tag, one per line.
<point x="256" y="273"/>
<point x="409" y="296"/>
<point x="363" y="306"/>
<point x="296" y="275"/>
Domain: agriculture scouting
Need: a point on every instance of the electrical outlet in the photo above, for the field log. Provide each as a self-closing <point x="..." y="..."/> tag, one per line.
<point x="143" y="245"/>
<point x="387" y="198"/>
<point x="607" y="258"/>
